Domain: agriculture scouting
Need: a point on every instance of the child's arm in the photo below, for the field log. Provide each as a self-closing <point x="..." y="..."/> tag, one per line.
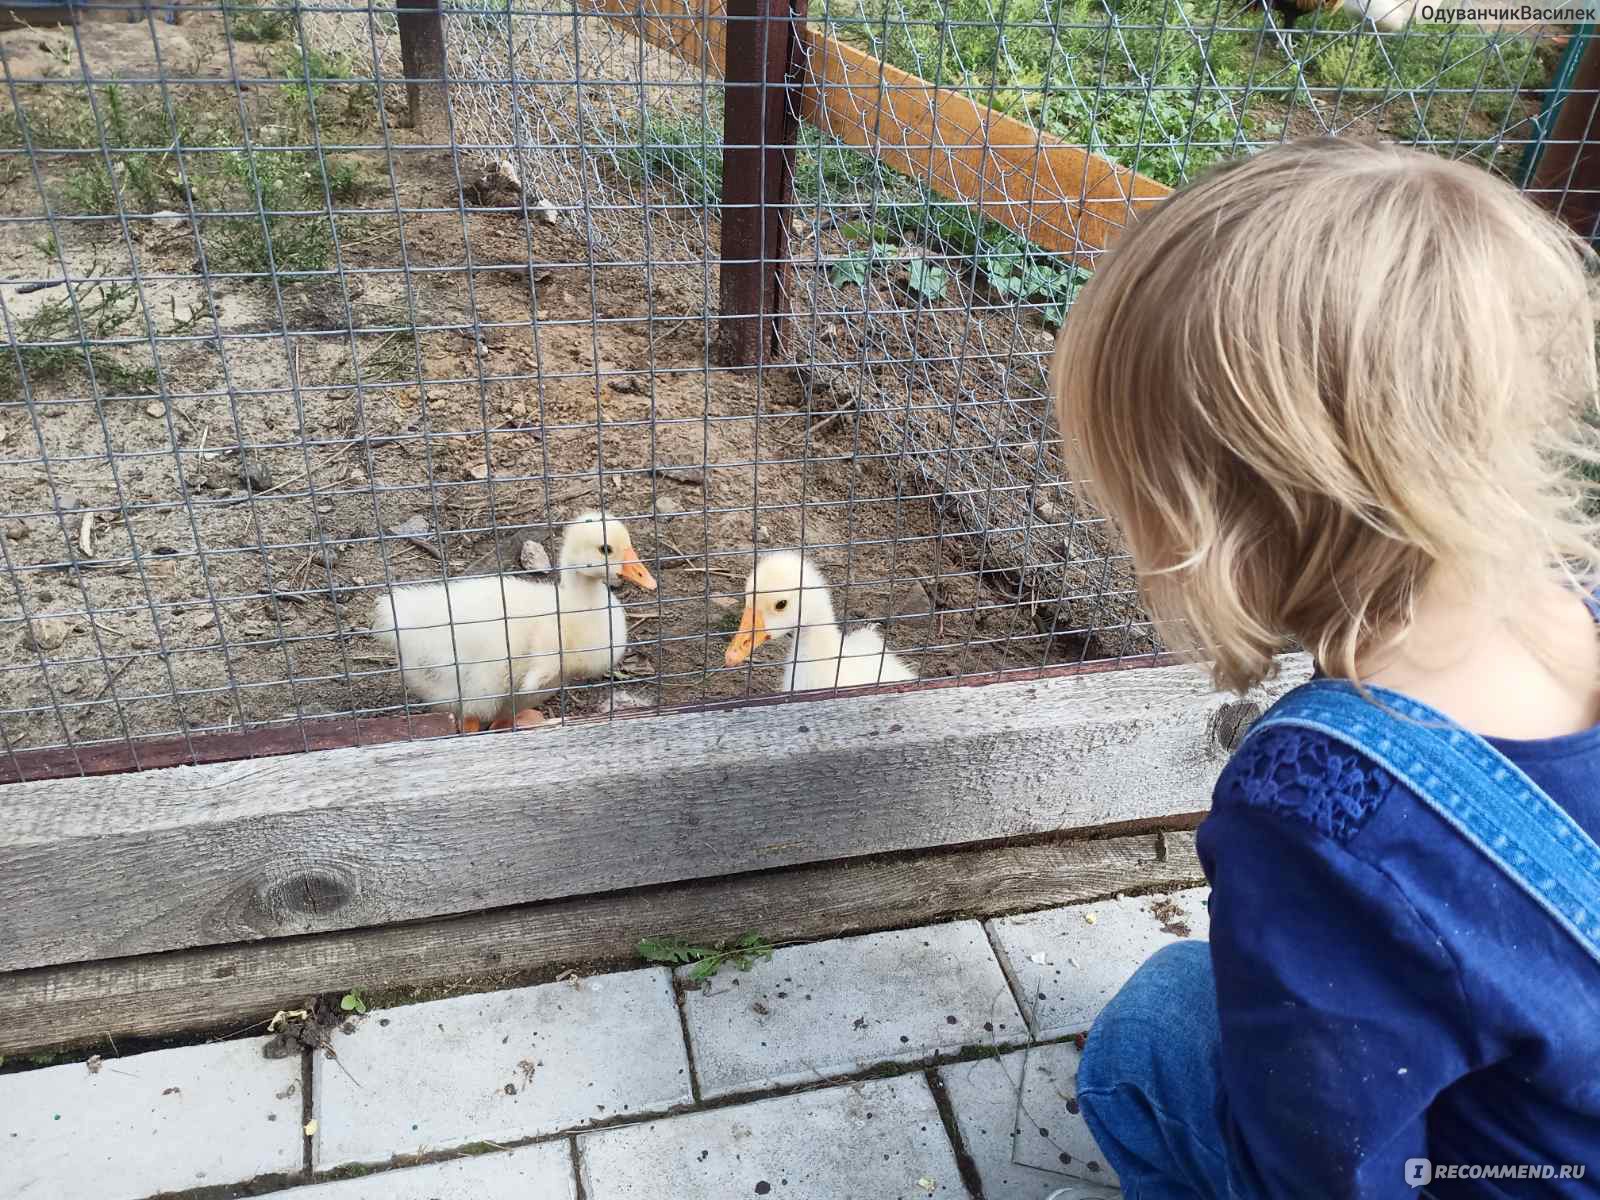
<point x="1342" y="1011"/>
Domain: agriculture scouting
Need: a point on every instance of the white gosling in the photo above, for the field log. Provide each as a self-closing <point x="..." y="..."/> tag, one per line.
<point x="489" y="644"/>
<point x="787" y="597"/>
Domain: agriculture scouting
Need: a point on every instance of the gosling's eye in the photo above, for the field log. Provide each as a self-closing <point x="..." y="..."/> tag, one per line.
<point x="605" y="549"/>
<point x="781" y="605"/>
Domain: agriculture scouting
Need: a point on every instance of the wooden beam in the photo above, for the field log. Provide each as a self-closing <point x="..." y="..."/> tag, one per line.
<point x="228" y="852"/>
<point x="695" y="31"/>
<point x="758" y="141"/>
<point x="1053" y="193"/>
<point x="422" y="56"/>
<point x="1567" y="179"/>
<point x="229" y="988"/>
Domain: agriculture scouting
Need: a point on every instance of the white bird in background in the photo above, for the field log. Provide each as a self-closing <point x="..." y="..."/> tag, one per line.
<point x="490" y="643"/>
<point x="1391" y="16"/>
<point x="786" y="596"/>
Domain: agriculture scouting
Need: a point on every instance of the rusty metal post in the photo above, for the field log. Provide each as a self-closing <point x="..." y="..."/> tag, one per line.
<point x="759" y="129"/>
<point x="422" y="59"/>
<point x="1567" y="179"/>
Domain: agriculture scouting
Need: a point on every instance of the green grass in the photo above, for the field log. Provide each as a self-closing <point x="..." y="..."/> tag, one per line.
<point x="1163" y="93"/>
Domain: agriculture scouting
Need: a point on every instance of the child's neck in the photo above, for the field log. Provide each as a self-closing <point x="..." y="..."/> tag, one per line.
<point x="1471" y="662"/>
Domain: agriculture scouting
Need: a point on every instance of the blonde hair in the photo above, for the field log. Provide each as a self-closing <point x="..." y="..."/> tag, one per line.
<point x="1314" y="376"/>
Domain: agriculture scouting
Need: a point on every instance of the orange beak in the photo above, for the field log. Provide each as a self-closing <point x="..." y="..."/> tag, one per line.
<point x="752" y="632"/>
<point x="634" y="571"/>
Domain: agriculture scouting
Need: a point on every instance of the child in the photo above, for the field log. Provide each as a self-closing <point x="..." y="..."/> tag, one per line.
<point x="1335" y="396"/>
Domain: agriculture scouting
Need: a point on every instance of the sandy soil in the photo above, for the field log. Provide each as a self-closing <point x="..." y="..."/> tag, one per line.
<point x="202" y="556"/>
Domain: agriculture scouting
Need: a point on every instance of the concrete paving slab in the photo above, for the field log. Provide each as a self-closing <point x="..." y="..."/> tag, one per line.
<point x="500" y="1066"/>
<point x="1067" y="962"/>
<point x="880" y="1139"/>
<point x="825" y="1009"/>
<point x="1018" y="1117"/>
<point x="541" y="1172"/>
<point x="192" y="1116"/>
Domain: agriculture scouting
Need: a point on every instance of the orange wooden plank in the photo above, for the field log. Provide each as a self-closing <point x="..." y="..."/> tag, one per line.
<point x="1055" y="194"/>
<point x="694" y="30"/>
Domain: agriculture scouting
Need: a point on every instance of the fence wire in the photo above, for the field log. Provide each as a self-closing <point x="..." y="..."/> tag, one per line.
<point x="273" y="353"/>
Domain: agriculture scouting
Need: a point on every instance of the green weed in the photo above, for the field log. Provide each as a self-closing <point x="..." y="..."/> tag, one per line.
<point x="707" y="960"/>
<point x="273" y="183"/>
<point x="262" y="23"/>
<point x="56" y="343"/>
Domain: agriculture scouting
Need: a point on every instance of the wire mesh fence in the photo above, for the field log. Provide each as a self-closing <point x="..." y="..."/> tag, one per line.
<point x="273" y="351"/>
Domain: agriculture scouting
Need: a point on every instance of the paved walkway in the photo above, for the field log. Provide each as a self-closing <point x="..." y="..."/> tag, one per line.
<point x="933" y="1062"/>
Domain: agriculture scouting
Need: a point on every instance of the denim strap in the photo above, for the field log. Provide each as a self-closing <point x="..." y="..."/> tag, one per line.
<point x="1485" y="796"/>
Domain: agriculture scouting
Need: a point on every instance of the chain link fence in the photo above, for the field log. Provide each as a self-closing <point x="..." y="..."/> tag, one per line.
<point x="273" y="351"/>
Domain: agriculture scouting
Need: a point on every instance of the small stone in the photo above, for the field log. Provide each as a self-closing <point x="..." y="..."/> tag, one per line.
<point x="254" y="474"/>
<point x="68" y="687"/>
<point x="47" y="633"/>
<point x="15" y="531"/>
<point x="624" y="698"/>
<point x="667" y="506"/>
<point x="324" y="509"/>
<point x="912" y="602"/>
<point x="478" y="471"/>
<point x="682" y="474"/>
<point x="155" y="409"/>
<point x="546" y="212"/>
<point x="533" y="557"/>
<point x="416" y="525"/>
<point x="68" y="502"/>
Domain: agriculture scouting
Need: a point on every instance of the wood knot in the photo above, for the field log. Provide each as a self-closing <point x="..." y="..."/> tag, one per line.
<point x="311" y="893"/>
<point x="1231" y="721"/>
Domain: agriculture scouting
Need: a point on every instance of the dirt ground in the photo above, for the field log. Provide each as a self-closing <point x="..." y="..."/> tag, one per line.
<point x="201" y="554"/>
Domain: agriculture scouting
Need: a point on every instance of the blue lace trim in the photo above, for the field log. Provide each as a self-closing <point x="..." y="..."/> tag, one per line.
<point x="1305" y="776"/>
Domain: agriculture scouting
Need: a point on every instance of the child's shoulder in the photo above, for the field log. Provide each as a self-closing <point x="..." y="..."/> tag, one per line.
<point x="1308" y="777"/>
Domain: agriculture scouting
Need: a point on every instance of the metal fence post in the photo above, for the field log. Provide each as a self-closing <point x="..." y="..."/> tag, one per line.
<point x="422" y="58"/>
<point x="759" y="130"/>
<point x="1566" y="179"/>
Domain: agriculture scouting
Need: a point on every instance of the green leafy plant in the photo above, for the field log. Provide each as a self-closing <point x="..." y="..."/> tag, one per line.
<point x="274" y="184"/>
<point x="744" y="953"/>
<point x="57" y="342"/>
<point x="926" y="279"/>
<point x="351" y="1002"/>
<point x="262" y="23"/>
<point x="850" y="269"/>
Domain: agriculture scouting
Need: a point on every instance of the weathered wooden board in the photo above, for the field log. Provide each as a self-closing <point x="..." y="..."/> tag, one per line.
<point x="229" y="988"/>
<point x="228" y="852"/>
<point x="1057" y="195"/>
